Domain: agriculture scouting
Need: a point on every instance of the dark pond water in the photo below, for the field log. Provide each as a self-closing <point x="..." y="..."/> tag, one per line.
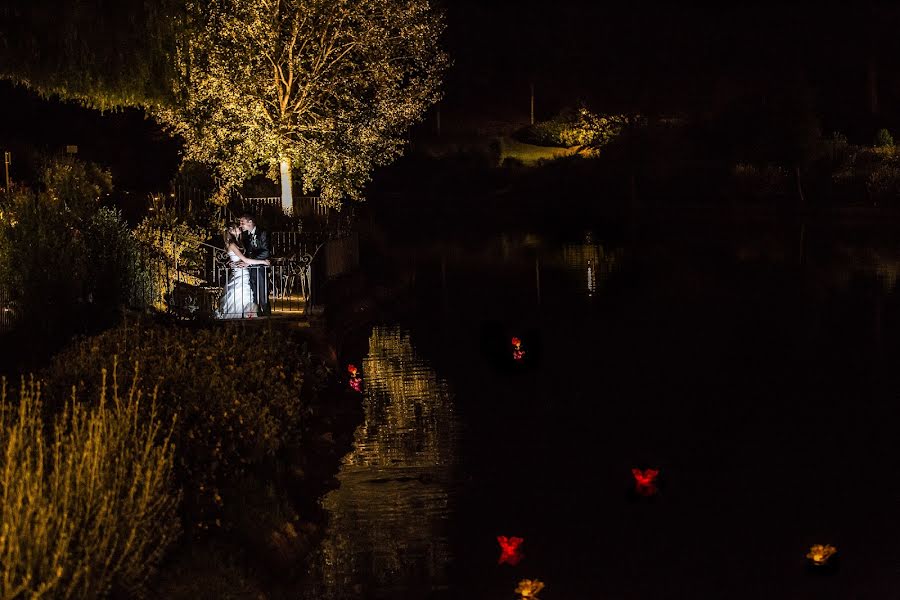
<point x="754" y="366"/>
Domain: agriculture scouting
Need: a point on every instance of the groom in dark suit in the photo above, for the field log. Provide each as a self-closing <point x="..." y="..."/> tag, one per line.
<point x="256" y="245"/>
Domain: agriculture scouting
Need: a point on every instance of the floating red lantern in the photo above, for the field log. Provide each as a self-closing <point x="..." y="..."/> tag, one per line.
<point x="355" y="380"/>
<point x="517" y="352"/>
<point x="645" y="481"/>
<point x="510" y="552"/>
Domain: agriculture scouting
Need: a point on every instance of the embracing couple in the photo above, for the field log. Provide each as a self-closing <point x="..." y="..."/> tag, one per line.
<point x="246" y="292"/>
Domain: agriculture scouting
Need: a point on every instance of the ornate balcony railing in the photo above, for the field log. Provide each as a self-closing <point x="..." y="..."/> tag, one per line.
<point x="192" y="286"/>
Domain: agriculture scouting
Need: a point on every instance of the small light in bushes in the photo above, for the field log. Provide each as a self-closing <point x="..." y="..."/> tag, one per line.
<point x="529" y="588"/>
<point x="645" y="481"/>
<point x="355" y="379"/>
<point x="510" y="550"/>
<point x="517" y="352"/>
<point x="819" y="554"/>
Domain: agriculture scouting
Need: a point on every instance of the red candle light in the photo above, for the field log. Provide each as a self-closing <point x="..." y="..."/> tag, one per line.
<point x="820" y="553"/>
<point x="517" y="352"/>
<point x="645" y="481"/>
<point x="510" y="553"/>
<point x="355" y="381"/>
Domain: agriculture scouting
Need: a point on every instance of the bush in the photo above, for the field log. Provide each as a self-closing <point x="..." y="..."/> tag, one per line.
<point x="61" y="253"/>
<point x="579" y="127"/>
<point x="112" y="259"/>
<point x="883" y="139"/>
<point x="87" y="506"/>
<point x="40" y="259"/>
<point x="883" y="182"/>
<point x="169" y="249"/>
<point x="759" y="183"/>
<point x="238" y="394"/>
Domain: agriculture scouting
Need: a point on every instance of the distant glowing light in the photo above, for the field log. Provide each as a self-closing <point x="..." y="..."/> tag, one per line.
<point x="510" y="550"/>
<point x="591" y="278"/>
<point x="819" y="554"/>
<point x="645" y="481"/>
<point x="517" y="352"/>
<point x="355" y="381"/>
<point x="529" y="588"/>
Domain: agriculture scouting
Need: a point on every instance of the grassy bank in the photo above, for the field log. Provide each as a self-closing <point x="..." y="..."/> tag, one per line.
<point x="255" y="429"/>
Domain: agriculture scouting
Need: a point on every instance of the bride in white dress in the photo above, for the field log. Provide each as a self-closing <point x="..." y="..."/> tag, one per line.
<point x="237" y="299"/>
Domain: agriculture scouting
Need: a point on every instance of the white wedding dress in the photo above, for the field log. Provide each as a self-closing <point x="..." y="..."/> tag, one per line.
<point x="237" y="300"/>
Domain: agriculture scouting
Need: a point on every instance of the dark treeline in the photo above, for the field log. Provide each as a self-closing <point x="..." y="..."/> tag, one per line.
<point x="647" y="57"/>
<point x="660" y="59"/>
<point x="828" y="68"/>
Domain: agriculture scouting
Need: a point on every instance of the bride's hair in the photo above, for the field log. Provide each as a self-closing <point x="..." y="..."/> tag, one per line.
<point x="229" y="237"/>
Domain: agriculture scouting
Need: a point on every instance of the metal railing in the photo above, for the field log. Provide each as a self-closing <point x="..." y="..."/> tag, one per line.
<point x="304" y="206"/>
<point x="282" y="287"/>
<point x="192" y="283"/>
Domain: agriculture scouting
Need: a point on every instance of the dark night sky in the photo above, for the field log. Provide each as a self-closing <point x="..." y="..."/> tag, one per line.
<point x="663" y="58"/>
<point x="653" y="58"/>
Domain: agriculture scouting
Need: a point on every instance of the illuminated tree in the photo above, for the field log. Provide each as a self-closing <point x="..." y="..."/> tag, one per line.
<point x="326" y="87"/>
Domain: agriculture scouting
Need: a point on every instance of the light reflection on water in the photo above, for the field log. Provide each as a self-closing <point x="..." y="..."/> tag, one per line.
<point x="388" y="524"/>
<point x="390" y="518"/>
<point x="592" y="261"/>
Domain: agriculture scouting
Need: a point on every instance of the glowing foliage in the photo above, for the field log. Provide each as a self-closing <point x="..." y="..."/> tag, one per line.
<point x="235" y="411"/>
<point x="103" y="56"/>
<point x="578" y="127"/>
<point x="88" y="503"/>
<point x="529" y="588"/>
<point x="329" y="86"/>
<point x="77" y="249"/>
<point x="645" y="481"/>
<point x="171" y="245"/>
<point x="510" y="552"/>
<point x="517" y="352"/>
<point x="592" y="130"/>
<point x="819" y="554"/>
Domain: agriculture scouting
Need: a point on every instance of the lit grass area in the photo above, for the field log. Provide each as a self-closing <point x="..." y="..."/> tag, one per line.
<point x="87" y="505"/>
<point x="530" y="154"/>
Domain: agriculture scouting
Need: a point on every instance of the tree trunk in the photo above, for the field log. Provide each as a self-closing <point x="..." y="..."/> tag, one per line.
<point x="287" y="196"/>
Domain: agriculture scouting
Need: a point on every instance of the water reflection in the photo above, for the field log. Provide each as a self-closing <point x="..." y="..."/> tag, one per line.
<point x="387" y="533"/>
<point x="882" y="264"/>
<point x="595" y="262"/>
<point x="833" y="262"/>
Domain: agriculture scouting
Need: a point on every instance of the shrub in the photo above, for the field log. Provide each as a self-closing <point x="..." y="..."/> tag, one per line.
<point x="883" y="182"/>
<point x="169" y="248"/>
<point x="759" y="183"/>
<point x="60" y="251"/>
<point x="40" y="262"/>
<point x="883" y="139"/>
<point x="87" y="505"/>
<point x="112" y="258"/>
<point x="237" y="393"/>
<point x="75" y="186"/>
<point x="579" y="127"/>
